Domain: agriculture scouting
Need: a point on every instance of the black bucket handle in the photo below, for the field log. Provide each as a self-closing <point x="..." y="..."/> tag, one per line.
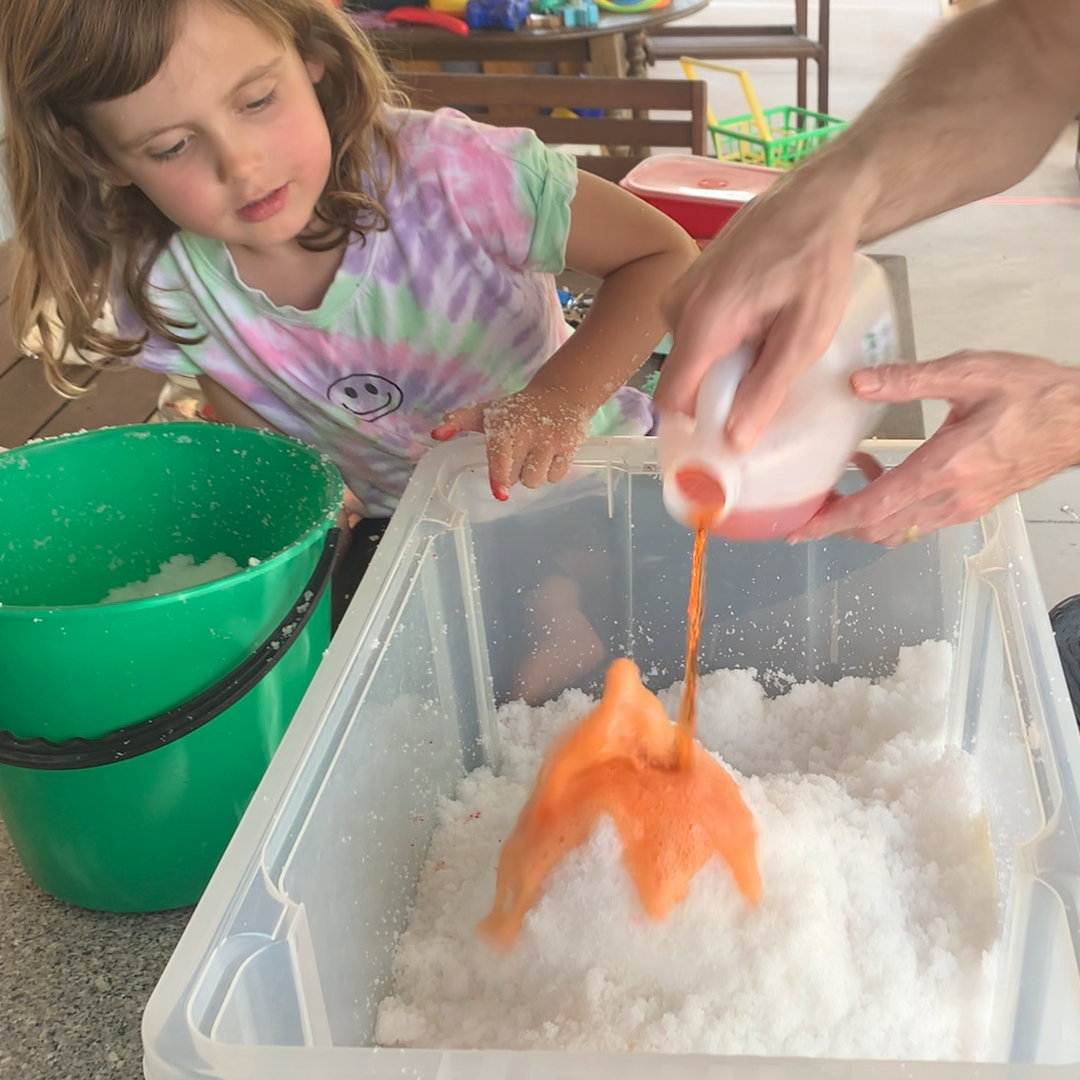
<point x="134" y="740"/>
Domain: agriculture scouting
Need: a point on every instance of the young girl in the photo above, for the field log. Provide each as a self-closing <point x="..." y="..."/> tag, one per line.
<point x="235" y="177"/>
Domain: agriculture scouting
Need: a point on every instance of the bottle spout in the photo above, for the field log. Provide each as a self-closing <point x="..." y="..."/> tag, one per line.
<point x="702" y="490"/>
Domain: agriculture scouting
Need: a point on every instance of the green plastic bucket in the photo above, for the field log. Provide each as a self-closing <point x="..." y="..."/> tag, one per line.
<point x="133" y="734"/>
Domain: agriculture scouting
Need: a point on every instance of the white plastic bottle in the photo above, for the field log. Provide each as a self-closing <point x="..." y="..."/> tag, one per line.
<point x="782" y="481"/>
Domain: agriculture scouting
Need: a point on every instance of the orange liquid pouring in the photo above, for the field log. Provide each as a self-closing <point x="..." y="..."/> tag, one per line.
<point x="684" y="732"/>
<point x="674" y="805"/>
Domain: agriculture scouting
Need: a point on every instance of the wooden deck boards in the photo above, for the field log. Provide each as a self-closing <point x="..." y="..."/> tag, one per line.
<point x="29" y="409"/>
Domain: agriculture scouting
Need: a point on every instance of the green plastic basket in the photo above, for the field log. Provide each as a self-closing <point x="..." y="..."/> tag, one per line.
<point x="795" y="133"/>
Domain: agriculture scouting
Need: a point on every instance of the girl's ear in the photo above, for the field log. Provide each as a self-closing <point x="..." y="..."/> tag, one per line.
<point x="116" y="175"/>
<point x="316" y="70"/>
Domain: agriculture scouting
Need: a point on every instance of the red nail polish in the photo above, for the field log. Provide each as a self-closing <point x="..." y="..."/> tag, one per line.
<point x="501" y="493"/>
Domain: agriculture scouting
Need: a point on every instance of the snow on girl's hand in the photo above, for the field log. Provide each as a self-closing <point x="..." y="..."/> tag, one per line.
<point x="532" y="436"/>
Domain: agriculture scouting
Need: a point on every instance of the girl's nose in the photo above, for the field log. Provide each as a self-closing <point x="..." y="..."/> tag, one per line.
<point x="239" y="157"/>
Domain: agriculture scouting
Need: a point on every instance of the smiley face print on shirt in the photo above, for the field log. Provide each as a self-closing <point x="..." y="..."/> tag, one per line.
<point x="371" y="397"/>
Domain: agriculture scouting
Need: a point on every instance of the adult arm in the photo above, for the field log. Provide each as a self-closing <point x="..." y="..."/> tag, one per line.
<point x="971" y="112"/>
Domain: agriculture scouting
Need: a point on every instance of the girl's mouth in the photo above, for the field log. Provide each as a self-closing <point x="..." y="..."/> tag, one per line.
<point x="266" y="207"/>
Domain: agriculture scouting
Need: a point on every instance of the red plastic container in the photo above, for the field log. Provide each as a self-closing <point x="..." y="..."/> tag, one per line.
<point x="700" y="193"/>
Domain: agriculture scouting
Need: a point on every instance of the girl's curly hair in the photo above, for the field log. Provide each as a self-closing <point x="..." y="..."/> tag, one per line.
<point x="77" y="235"/>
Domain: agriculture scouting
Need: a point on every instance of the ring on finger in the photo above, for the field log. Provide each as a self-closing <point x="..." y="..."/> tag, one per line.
<point x="911" y="534"/>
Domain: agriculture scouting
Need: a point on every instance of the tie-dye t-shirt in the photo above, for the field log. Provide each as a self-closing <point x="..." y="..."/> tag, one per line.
<point x="453" y="305"/>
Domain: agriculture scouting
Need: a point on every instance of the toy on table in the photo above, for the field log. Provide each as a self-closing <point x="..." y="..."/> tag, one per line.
<point x="568" y="13"/>
<point x="575" y="306"/>
<point x="580" y="13"/>
<point x="425" y="17"/>
<point x="631" y="7"/>
<point x="496" y="14"/>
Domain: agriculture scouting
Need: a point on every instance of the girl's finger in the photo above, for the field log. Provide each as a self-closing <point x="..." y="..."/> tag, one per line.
<point x="457" y="421"/>
<point x="560" y="466"/>
<point x="500" y="455"/>
<point x="536" y="466"/>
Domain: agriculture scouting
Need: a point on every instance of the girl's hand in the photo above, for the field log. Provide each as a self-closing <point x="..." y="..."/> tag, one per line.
<point x="353" y="509"/>
<point x="349" y="516"/>
<point x="532" y="436"/>
<point x="1015" y="420"/>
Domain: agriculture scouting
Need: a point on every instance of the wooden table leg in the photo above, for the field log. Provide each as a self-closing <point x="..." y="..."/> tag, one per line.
<point x="636" y="58"/>
<point x="607" y="56"/>
<point x="636" y="64"/>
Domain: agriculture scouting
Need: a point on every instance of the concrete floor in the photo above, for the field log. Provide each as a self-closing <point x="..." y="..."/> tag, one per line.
<point x="1001" y="274"/>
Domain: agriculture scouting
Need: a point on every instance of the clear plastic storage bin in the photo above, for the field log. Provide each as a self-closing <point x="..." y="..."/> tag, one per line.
<point x="281" y="969"/>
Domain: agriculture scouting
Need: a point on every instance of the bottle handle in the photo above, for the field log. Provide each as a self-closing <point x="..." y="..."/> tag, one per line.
<point x="717" y="391"/>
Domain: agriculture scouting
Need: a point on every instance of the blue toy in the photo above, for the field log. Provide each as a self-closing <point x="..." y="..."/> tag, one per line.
<point x="496" y="14"/>
<point x="580" y="13"/>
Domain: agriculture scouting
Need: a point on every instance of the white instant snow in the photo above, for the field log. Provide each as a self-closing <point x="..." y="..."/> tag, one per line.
<point x="875" y="937"/>
<point x="180" y="572"/>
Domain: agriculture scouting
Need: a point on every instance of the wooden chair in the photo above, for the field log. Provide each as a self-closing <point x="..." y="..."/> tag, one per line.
<point x="768" y="42"/>
<point x="526" y="101"/>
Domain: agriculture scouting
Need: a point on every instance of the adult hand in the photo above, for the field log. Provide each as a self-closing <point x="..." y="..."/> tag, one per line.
<point x="532" y="436"/>
<point x="1015" y="420"/>
<point x="778" y="275"/>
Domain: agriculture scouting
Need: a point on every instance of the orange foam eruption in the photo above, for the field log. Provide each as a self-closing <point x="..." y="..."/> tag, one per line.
<point x="673" y="810"/>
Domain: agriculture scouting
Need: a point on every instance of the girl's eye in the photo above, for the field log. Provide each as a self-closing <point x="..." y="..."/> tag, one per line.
<point x="173" y="151"/>
<point x="255" y="106"/>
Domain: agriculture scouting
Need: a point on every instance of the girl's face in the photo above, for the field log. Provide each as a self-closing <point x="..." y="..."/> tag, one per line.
<point x="228" y="138"/>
